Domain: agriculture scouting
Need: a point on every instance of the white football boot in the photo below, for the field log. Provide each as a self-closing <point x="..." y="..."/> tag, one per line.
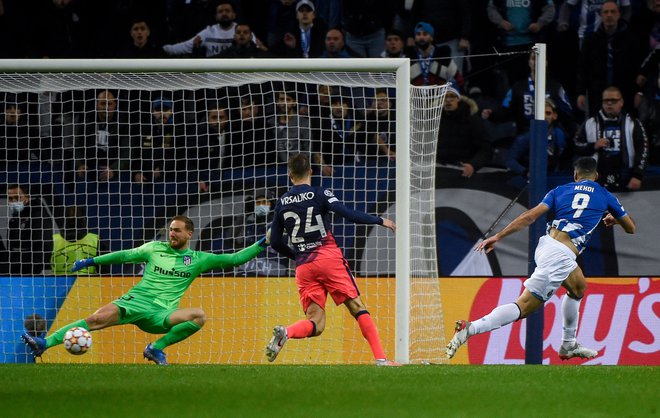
<point x="578" y="350"/>
<point x="459" y="338"/>
<point x="276" y="342"/>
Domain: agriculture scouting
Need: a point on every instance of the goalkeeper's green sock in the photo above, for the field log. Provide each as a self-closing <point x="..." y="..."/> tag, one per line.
<point x="178" y="333"/>
<point x="57" y="337"/>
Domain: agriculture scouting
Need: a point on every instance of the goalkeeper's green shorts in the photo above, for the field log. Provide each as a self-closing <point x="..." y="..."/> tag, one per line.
<point x="142" y="312"/>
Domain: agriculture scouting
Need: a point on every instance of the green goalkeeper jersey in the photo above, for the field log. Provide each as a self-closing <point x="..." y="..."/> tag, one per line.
<point x="168" y="272"/>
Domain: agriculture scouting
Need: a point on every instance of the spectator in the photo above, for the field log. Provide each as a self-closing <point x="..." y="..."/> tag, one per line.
<point x="452" y="21"/>
<point x="381" y="128"/>
<point x="319" y="111"/>
<point x="282" y="15"/>
<point x="242" y="46"/>
<point x="521" y="25"/>
<point x="257" y="16"/>
<point x="319" y="106"/>
<point x="342" y="137"/>
<point x="19" y="143"/>
<point x="646" y="24"/>
<point x="335" y="46"/>
<point x="649" y="70"/>
<point x="307" y="38"/>
<point x="609" y="57"/>
<point x="55" y="29"/>
<point x="185" y="17"/>
<point x="462" y="138"/>
<point x="501" y="133"/>
<point x="291" y="130"/>
<point x="394" y="44"/>
<point x="647" y="102"/>
<point x="517" y="160"/>
<point x="589" y="15"/>
<point x="212" y="148"/>
<point x="29" y="232"/>
<point x="429" y="64"/>
<point x="249" y="147"/>
<point x="56" y="122"/>
<point x="518" y="104"/>
<point x="214" y="38"/>
<point x="102" y="141"/>
<point x="364" y="23"/>
<point x="158" y="155"/>
<point x="74" y="242"/>
<point x="141" y="45"/>
<point x="252" y="226"/>
<point x="330" y="11"/>
<point x="618" y="141"/>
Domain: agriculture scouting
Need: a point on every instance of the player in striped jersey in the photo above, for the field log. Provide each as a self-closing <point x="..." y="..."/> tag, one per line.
<point x="578" y="208"/>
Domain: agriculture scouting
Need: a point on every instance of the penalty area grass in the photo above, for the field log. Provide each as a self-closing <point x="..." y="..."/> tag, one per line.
<point x="58" y="390"/>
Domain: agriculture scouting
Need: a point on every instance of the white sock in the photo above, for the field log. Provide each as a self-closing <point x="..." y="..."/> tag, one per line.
<point x="498" y="317"/>
<point x="570" y="310"/>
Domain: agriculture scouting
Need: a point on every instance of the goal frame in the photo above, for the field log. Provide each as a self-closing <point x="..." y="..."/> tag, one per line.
<point x="399" y="66"/>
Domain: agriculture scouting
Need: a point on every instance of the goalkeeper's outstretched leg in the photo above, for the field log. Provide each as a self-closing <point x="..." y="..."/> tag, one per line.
<point x="36" y="345"/>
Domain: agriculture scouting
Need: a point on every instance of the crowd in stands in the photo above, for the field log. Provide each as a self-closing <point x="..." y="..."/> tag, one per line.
<point x="592" y="45"/>
<point x="602" y="88"/>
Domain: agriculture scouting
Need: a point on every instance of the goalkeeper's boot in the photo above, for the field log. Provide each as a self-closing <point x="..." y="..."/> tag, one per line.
<point x="383" y="362"/>
<point x="276" y="342"/>
<point x="459" y="338"/>
<point x="155" y="355"/>
<point x="37" y="345"/>
<point x="578" y="350"/>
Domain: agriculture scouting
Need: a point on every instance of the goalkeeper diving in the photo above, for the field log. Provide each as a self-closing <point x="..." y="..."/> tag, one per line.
<point x="153" y="304"/>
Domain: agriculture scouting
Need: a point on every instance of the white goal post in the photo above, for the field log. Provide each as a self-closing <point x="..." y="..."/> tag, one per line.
<point x="418" y="331"/>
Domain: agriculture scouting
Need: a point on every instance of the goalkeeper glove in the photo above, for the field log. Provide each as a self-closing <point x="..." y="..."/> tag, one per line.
<point x="265" y="241"/>
<point x="262" y="242"/>
<point x="81" y="264"/>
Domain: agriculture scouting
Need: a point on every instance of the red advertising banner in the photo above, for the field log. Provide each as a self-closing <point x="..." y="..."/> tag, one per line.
<point x="619" y="317"/>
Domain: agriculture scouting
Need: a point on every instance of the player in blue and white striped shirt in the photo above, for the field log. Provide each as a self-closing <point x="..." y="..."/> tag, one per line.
<point x="578" y="208"/>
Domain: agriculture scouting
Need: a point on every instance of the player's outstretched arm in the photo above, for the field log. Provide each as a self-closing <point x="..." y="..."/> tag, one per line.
<point x="356" y="216"/>
<point x="389" y="224"/>
<point x="487" y="244"/>
<point x="214" y="261"/>
<point x="522" y="221"/>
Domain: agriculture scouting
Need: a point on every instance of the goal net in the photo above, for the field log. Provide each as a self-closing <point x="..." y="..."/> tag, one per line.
<point x="104" y="153"/>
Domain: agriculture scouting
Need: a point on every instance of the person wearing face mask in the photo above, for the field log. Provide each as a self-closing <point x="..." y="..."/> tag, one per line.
<point x="252" y="228"/>
<point x="28" y="234"/>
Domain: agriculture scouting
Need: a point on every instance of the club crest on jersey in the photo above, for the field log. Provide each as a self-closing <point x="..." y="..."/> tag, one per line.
<point x="187" y="260"/>
<point x="328" y="193"/>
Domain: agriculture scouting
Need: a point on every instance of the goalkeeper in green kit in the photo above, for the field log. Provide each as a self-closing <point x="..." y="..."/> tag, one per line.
<point x="153" y="303"/>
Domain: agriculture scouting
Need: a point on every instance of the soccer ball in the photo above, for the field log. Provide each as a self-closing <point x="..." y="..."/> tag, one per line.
<point x="77" y="340"/>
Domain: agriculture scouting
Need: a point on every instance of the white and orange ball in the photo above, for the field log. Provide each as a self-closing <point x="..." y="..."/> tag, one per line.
<point x="77" y="340"/>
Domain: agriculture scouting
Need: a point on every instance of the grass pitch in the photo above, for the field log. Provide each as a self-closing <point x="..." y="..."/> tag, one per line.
<point x="49" y="390"/>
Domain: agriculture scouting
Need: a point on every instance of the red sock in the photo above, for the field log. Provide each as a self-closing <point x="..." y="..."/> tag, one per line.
<point x="370" y="333"/>
<point x="301" y="329"/>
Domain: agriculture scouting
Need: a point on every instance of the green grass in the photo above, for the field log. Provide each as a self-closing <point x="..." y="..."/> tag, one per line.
<point x="48" y="390"/>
